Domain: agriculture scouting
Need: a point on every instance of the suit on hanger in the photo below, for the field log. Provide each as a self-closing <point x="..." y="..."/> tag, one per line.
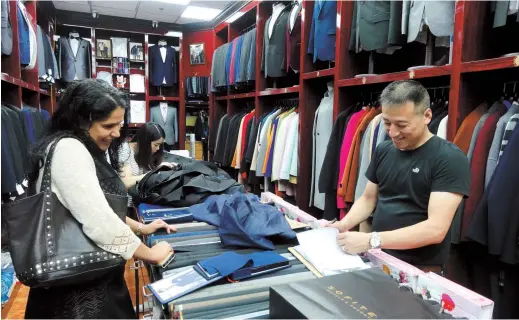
<point x="438" y="14"/>
<point x="170" y="124"/>
<point x="24" y="42"/>
<point x="162" y="72"/>
<point x="251" y="66"/>
<point x="273" y="57"/>
<point x="376" y="24"/>
<point x="322" y="32"/>
<point x="7" y="30"/>
<point x="221" y="139"/>
<point x="294" y="39"/>
<point x="244" y="56"/>
<point x="74" y="66"/>
<point x="500" y="9"/>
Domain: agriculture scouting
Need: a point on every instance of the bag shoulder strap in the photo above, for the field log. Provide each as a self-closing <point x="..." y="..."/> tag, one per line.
<point x="46" y="178"/>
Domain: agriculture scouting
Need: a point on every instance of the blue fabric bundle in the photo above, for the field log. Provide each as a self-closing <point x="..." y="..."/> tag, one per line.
<point x="243" y="221"/>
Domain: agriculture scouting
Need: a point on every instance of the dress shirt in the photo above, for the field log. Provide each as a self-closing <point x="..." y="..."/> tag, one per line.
<point x="164" y="110"/>
<point x="106" y="76"/>
<point x="137" y="83"/>
<point x="291" y="144"/>
<point x="137" y="111"/>
<point x="120" y="47"/>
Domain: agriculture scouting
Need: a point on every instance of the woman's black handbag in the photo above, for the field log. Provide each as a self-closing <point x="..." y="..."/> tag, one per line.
<point x="48" y="245"/>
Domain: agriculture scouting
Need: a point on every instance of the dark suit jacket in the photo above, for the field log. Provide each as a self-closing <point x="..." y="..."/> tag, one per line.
<point x="380" y="25"/>
<point x="330" y="170"/>
<point x="478" y="167"/>
<point x="232" y="138"/>
<point x="496" y="220"/>
<point x="8" y="171"/>
<point x="222" y="139"/>
<point x="273" y="57"/>
<point x="294" y="40"/>
<point x="71" y="65"/>
<point x="322" y="32"/>
<point x="13" y="142"/>
<point x="245" y="55"/>
<point x="160" y="70"/>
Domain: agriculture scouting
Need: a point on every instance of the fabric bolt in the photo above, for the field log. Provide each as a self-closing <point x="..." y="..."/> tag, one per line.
<point x="347" y="142"/>
<point x="464" y="133"/>
<point x="493" y="154"/>
<point x="243" y="220"/>
<point x="478" y="166"/>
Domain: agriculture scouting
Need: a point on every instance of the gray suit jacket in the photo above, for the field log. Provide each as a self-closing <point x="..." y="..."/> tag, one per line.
<point x="218" y="68"/>
<point x="7" y="31"/>
<point x="376" y="25"/>
<point x="273" y="55"/>
<point x="170" y="126"/>
<point x="439" y="15"/>
<point x="245" y="56"/>
<point x="493" y="154"/>
<point x="71" y="65"/>
<point x="500" y="9"/>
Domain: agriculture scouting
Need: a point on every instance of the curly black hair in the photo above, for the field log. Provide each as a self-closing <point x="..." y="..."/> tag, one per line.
<point x="82" y="103"/>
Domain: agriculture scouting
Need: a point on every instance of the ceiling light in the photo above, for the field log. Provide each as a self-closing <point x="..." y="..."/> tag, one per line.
<point x="234" y="17"/>
<point x="174" y="34"/>
<point x="180" y="2"/>
<point x="200" y="13"/>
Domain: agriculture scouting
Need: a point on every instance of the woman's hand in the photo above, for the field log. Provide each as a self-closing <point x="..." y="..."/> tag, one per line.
<point x="156" y="225"/>
<point x="160" y="252"/>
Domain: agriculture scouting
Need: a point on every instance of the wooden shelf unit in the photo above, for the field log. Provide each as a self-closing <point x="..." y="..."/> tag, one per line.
<point x="471" y="58"/>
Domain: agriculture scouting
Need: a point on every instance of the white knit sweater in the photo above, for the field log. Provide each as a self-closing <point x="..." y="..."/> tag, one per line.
<point x="75" y="183"/>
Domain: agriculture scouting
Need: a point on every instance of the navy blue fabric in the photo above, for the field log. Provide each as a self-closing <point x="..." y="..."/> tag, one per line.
<point x="226" y="263"/>
<point x="24" y="41"/>
<point x="46" y="114"/>
<point x="160" y="70"/>
<point x="260" y="259"/>
<point x="243" y="220"/>
<point x="29" y="125"/>
<point x="228" y="63"/>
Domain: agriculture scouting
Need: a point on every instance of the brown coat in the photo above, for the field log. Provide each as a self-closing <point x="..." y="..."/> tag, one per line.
<point x="464" y="134"/>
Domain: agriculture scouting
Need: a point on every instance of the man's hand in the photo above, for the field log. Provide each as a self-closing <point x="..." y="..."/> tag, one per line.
<point x="354" y="242"/>
<point x="156" y="225"/>
<point x="339" y="225"/>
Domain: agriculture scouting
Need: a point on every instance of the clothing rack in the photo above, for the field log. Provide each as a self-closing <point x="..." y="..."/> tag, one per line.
<point x="247" y="29"/>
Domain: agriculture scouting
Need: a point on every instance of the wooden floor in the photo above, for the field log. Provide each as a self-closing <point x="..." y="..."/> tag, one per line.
<point x="15" y="307"/>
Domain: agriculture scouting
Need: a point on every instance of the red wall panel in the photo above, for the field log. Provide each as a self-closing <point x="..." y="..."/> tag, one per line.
<point x="205" y="37"/>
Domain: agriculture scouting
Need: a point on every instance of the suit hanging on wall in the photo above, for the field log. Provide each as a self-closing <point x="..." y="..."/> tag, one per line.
<point x="162" y="65"/>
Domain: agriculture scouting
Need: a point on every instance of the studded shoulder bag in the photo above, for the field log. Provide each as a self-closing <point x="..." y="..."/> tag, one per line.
<point x="48" y="245"/>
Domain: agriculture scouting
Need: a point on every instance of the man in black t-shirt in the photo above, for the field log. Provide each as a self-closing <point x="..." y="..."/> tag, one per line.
<point x="416" y="181"/>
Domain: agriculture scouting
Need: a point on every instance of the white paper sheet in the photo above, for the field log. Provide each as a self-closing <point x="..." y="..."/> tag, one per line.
<point x="320" y="248"/>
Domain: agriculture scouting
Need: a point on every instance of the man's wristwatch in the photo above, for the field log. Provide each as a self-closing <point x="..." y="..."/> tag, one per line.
<point x="139" y="230"/>
<point x="374" y="242"/>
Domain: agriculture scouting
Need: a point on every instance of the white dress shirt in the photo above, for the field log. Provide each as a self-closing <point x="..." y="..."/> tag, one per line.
<point x="119" y="47"/>
<point x="137" y="83"/>
<point x="137" y="111"/>
<point x="164" y="110"/>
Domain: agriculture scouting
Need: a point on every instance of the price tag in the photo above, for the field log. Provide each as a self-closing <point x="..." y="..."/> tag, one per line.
<point x="411" y="74"/>
<point x="318" y="73"/>
<point x="163" y="98"/>
<point x="516" y="61"/>
<point x="363" y="80"/>
<point x="19" y="189"/>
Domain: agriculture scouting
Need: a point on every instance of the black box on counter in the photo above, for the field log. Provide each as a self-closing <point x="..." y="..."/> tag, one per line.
<point x="364" y="294"/>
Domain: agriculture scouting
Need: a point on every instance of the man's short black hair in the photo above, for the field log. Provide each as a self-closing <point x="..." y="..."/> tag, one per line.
<point x="400" y="92"/>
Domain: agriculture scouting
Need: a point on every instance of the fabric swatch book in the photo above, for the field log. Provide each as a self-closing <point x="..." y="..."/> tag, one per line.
<point x="229" y="264"/>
